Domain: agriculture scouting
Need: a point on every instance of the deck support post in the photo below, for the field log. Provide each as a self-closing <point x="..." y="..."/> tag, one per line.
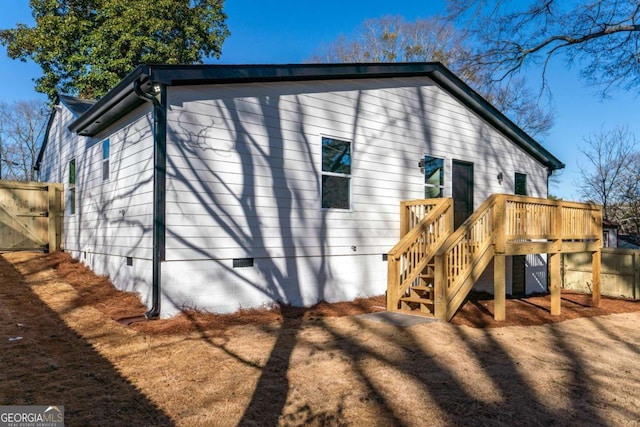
<point x="440" y="306"/>
<point x="392" y="284"/>
<point x="499" y="287"/>
<point x="554" y="283"/>
<point x="596" y="259"/>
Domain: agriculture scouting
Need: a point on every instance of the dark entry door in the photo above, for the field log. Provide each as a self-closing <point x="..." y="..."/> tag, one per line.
<point x="518" y="275"/>
<point x="462" y="173"/>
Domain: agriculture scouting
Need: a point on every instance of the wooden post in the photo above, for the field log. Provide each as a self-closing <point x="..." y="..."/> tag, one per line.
<point x="500" y="245"/>
<point x="404" y="219"/>
<point x="499" y="287"/>
<point x="439" y="284"/>
<point x="499" y="218"/>
<point x="636" y="275"/>
<point x="596" y="259"/>
<point x="52" y="218"/>
<point x="393" y="277"/>
<point x="554" y="283"/>
<point x="449" y="220"/>
<point x="55" y="216"/>
<point x="557" y="229"/>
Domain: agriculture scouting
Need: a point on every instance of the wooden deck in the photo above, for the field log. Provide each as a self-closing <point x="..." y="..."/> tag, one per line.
<point x="433" y="267"/>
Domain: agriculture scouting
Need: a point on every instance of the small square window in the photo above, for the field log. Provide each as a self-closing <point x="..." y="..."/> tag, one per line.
<point x="72" y="172"/>
<point x="72" y="187"/>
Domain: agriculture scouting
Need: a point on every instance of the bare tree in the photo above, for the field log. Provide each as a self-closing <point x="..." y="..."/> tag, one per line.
<point x="394" y="39"/>
<point x="629" y="215"/>
<point x="22" y="127"/>
<point x="604" y="180"/>
<point x="602" y="36"/>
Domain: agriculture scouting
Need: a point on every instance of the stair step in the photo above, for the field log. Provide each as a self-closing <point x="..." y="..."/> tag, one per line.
<point x="417" y="300"/>
<point x="422" y="288"/>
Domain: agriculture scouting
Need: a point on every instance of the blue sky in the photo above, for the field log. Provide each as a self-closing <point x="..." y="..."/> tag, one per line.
<point x="289" y="31"/>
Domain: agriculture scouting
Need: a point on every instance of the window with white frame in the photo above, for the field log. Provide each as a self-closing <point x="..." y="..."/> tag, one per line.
<point x="433" y="177"/>
<point x="72" y="186"/>
<point x="105" y="160"/>
<point x="336" y="174"/>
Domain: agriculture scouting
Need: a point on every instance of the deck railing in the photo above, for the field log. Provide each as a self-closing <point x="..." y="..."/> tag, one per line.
<point x="416" y="248"/>
<point x="536" y="225"/>
<point x="503" y="224"/>
<point x="463" y="257"/>
<point x="414" y="211"/>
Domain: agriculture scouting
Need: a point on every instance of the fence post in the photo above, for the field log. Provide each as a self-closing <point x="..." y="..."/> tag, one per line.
<point x="554" y="285"/>
<point x="596" y="260"/>
<point x="636" y="275"/>
<point x="54" y="216"/>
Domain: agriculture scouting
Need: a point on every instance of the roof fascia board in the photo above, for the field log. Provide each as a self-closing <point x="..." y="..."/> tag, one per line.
<point x="45" y="139"/>
<point x="88" y="124"/>
<point x="203" y="74"/>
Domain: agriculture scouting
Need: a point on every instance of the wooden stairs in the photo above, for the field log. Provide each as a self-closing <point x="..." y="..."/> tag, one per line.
<point x="420" y="297"/>
<point x="433" y="267"/>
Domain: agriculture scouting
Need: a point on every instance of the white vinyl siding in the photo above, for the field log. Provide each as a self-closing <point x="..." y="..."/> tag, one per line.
<point x="243" y="180"/>
<point x="113" y="218"/>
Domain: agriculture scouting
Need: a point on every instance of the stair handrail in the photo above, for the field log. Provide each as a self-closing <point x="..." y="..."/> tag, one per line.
<point x="414" y="211"/>
<point x="471" y="244"/>
<point x="410" y="255"/>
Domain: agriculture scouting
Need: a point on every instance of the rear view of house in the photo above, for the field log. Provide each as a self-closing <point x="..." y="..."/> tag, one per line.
<point x="218" y="187"/>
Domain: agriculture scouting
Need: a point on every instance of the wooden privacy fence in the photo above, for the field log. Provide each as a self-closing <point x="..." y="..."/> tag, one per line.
<point x="620" y="274"/>
<point x="30" y="216"/>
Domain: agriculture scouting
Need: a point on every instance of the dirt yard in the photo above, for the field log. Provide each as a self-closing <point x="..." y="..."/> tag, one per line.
<point x="61" y="344"/>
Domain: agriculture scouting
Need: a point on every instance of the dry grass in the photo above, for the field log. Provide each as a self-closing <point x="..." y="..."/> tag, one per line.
<point x="317" y="366"/>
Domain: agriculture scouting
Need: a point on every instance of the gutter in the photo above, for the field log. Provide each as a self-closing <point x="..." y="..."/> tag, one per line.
<point x="159" y="187"/>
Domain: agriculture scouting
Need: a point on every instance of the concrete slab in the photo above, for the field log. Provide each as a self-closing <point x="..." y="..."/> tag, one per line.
<point x="397" y="319"/>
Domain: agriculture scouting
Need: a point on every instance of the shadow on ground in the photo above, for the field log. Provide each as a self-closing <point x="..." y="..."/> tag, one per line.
<point x="44" y="362"/>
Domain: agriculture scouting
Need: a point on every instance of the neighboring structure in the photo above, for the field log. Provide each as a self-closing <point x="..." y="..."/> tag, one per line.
<point x="609" y="234"/>
<point x="220" y="187"/>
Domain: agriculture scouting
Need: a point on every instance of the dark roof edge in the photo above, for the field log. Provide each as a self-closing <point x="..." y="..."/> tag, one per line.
<point x="45" y="139"/>
<point x="122" y="99"/>
<point x="77" y="106"/>
<point x="121" y="91"/>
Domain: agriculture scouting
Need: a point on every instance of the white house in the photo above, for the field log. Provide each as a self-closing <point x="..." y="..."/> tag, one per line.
<point x="227" y="186"/>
